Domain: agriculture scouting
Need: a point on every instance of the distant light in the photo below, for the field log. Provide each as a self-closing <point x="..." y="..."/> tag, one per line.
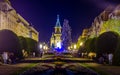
<point x="71" y="47"/>
<point x="75" y="46"/>
<point x="44" y="47"/>
<point x="59" y="49"/>
<point x="41" y="46"/>
<point x="68" y="48"/>
<point x="59" y="45"/>
<point x="81" y="43"/>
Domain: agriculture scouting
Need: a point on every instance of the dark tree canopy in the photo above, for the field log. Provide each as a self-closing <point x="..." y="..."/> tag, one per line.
<point x="23" y="42"/>
<point x="8" y="41"/>
<point x="31" y="45"/>
<point x="107" y="42"/>
<point x="116" y="58"/>
<point x="90" y="45"/>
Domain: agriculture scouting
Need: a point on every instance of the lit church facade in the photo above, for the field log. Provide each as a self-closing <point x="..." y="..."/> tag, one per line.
<point x="56" y="35"/>
<point x="11" y="20"/>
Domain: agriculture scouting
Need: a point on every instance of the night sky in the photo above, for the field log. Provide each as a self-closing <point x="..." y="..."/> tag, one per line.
<point x="42" y="14"/>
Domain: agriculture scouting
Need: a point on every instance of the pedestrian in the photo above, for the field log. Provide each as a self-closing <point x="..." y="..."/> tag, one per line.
<point x="82" y="54"/>
<point x="33" y="54"/>
<point x="5" y="57"/>
<point x="110" y="58"/>
<point x="101" y="60"/>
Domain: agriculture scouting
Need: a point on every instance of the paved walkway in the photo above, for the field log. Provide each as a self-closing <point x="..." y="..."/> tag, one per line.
<point x="9" y="69"/>
<point x="110" y="70"/>
<point x="6" y="69"/>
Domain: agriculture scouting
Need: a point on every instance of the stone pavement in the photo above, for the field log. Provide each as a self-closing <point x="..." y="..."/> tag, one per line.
<point x="6" y="69"/>
<point x="108" y="69"/>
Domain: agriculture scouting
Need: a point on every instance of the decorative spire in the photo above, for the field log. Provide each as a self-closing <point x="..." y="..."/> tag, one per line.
<point x="58" y="22"/>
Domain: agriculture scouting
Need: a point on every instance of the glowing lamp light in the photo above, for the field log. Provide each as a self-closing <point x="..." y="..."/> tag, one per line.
<point x="44" y="47"/>
<point x="41" y="46"/>
<point x="68" y="48"/>
<point x="81" y="43"/>
<point x="75" y="46"/>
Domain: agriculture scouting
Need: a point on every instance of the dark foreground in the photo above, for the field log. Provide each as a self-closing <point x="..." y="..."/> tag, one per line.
<point x="59" y="68"/>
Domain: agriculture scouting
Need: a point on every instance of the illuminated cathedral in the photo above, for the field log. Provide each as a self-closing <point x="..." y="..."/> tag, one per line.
<point x="55" y="41"/>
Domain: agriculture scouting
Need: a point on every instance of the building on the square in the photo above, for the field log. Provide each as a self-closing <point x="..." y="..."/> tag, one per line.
<point x="11" y="20"/>
<point x="108" y="20"/>
<point x="82" y="38"/>
<point x="56" y="36"/>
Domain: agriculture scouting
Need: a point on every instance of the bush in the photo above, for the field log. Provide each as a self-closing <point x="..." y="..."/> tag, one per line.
<point x="116" y="56"/>
<point x="106" y="43"/>
<point x="9" y="42"/>
<point x="23" y="46"/>
<point x="31" y="46"/>
<point x="90" y="45"/>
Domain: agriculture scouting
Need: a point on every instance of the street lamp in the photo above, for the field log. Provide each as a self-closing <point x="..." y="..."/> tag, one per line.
<point x="69" y="48"/>
<point x="75" y="46"/>
<point x="81" y="43"/>
<point x="44" y="47"/>
<point x="41" y="46"/>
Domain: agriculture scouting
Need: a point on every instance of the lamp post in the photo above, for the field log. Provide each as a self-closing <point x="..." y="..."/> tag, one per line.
<point x="41" y="49"/>
<point x="81" y="43"/>
<point x="41" y="46"/>
<point x="75" y="46"/>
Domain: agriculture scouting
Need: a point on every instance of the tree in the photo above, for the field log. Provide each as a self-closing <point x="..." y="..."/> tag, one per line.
<point x="23" y="43"/>
<point x="90" y="45"/>
<point x="31" y="45"/>
<point x="66" y="34"/>
<point x="9" y="42"/>
<point x="107" y="42"/>
<point x="116" y="55"/>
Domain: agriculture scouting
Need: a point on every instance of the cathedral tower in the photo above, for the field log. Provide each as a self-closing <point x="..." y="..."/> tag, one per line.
<point x="56" y="36"/>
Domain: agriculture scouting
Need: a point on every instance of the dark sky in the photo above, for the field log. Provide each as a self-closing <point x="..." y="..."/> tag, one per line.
<point x="42" y="14"/>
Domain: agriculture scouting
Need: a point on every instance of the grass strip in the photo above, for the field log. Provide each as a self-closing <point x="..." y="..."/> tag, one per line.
<point x="24" y="69"/>
<point x="100" y="72"/>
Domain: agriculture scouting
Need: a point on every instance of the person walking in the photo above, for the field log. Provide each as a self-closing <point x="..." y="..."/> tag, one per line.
<point x="110" y="58"/>
<point x="5" y="57"/>
<point x="33" y="54"/>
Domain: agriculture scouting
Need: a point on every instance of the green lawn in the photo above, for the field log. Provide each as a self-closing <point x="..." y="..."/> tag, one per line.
<point x="24" y="69"/>
<point x="96" y="69"/>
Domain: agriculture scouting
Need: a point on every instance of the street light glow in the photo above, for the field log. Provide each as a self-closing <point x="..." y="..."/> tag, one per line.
<point x="41" y="46"/>
<point x="44" y="47"/>
<point x="81" y="43"/>
<point x="75" y="46"/>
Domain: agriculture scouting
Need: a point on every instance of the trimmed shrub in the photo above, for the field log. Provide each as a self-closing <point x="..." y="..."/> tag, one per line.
<point x="9" y="42"/>
<point x="116" y="56"/>
<point x="107" y="43"/>
<point x="31" y="46"/>
<point x="90" y="45"/>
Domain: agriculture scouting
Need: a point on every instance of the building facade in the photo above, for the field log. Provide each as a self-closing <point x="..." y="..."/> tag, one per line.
<point x="82" y="38"/>
<point x="56" y="35"/>
<point x="108" y="20"/>
<point x="11" y="20"/>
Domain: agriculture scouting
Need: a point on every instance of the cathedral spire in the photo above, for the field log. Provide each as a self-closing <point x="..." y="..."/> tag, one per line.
<point x="58" y="22"/>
